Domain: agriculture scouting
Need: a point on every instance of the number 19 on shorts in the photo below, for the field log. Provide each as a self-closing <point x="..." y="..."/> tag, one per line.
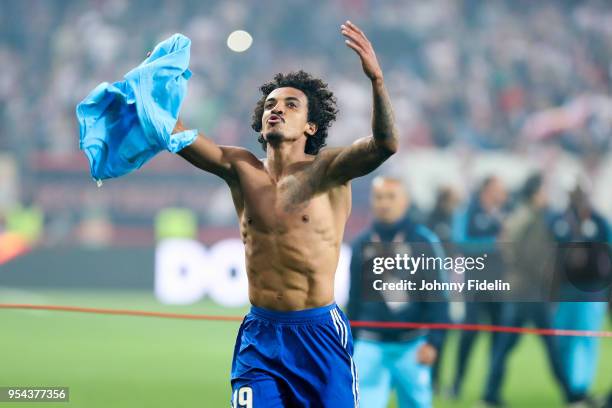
<point x="243" y="398"/>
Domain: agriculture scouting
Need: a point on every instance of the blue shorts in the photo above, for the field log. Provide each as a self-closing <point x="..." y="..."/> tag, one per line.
<point x="294" y="359"/>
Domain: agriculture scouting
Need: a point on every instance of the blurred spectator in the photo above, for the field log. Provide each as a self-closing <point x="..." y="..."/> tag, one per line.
<point x="441" y="217"/>
<point x="476" y="230"/>
<point x="176" y="223"/>
<point x="95" y="229"/>
<point x="440" y="222"/>
<point x="389" y="358"/>
<point x="26" y="221"/>
<point x="483" y="74"/>
<point x="527" y="248"/>
<point x="21" y="228"/>
<point x="585" y="261"/>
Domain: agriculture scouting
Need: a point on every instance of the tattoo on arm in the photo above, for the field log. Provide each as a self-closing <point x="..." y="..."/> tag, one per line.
<point x="366" y="154"/>
<point x="383" y="121"/>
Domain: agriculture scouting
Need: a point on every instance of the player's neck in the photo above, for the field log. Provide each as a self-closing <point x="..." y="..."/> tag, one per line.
<point x="280" y="158"/>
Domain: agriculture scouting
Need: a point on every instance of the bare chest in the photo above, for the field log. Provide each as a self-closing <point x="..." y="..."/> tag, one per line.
<point x="288" y="205"/>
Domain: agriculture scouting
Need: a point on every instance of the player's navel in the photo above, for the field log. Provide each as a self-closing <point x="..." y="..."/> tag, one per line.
<point x="305" y="218"/>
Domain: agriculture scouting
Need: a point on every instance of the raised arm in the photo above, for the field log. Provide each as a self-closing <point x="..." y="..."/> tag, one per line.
<point x="367" y="153"/>
<point x="205" y="154"/>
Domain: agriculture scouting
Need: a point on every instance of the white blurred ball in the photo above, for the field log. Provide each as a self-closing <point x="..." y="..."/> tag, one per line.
<point x="239" y="41"/>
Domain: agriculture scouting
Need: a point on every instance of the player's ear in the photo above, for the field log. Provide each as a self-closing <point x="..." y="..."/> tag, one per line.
<point x="311" y="128"/>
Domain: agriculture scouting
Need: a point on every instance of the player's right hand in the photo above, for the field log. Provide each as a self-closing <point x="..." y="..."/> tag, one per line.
<point x="178" y="127"/>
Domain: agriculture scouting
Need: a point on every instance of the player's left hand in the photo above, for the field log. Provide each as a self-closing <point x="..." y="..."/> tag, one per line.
<point x="357" y="40"/>
<point x="427" y="354"/>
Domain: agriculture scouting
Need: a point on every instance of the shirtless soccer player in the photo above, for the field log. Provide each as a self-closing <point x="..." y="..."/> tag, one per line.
<point x="294" y="348"/>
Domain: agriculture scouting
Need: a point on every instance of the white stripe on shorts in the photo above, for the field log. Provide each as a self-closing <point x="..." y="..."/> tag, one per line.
<point x="341" y="328"/>
<point x="331" y="312"/>
<point x="344" y="329"/>
<point x="354" y="385"/>
<point x="343" y="333"/>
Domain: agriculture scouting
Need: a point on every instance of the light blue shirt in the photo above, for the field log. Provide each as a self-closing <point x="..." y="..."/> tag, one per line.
<point x="124" y="124"/>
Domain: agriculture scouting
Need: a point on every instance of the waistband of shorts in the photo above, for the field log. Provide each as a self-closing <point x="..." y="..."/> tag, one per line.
<point x="298" y="316"/>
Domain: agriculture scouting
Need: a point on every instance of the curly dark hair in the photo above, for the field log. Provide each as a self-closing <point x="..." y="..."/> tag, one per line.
<point x="321" y="106"/>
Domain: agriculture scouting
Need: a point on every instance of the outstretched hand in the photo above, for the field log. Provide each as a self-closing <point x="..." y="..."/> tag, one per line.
<point x="357" y="40"/>
<point x="178" y="127"/>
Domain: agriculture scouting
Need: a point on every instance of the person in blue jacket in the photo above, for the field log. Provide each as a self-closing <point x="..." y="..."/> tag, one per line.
<point x="476" y="229"/>
<point x="393" y="358"/>
<point x="585" y="265"/>
<point x="440" y="221"/>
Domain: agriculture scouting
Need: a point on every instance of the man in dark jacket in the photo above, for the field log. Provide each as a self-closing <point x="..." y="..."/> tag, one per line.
<point x="391" y="357"/>
<point x="476" y="229"/>
<point x="528" y="251"/>
<point x="585" y="264"/>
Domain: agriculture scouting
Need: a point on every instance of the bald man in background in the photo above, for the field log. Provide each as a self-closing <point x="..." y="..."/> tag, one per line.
<point x="387" y="358"/>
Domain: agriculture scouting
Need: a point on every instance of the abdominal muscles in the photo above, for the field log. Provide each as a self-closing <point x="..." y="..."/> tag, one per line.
<point x="291" y="257"/>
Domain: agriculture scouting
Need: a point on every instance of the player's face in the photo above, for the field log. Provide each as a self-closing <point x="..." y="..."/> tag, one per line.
<point x="285" y="115"/>
<point x="389" y="201"/>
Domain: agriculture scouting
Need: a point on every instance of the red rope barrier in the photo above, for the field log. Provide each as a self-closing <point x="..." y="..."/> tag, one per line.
<point x="123" y="312"/>
<point x="482" y="327"/>
<point x="370" y="324"/>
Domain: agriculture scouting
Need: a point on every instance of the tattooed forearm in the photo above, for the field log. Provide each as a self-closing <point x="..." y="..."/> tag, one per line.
<point x="383" y="122"/>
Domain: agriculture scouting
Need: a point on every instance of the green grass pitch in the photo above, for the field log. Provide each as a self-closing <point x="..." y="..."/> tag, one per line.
<point x="124" y="361"/>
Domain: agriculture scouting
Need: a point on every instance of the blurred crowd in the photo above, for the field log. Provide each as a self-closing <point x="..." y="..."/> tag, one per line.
<point x="559" y="269"/>
<point x="479" y="75"/>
